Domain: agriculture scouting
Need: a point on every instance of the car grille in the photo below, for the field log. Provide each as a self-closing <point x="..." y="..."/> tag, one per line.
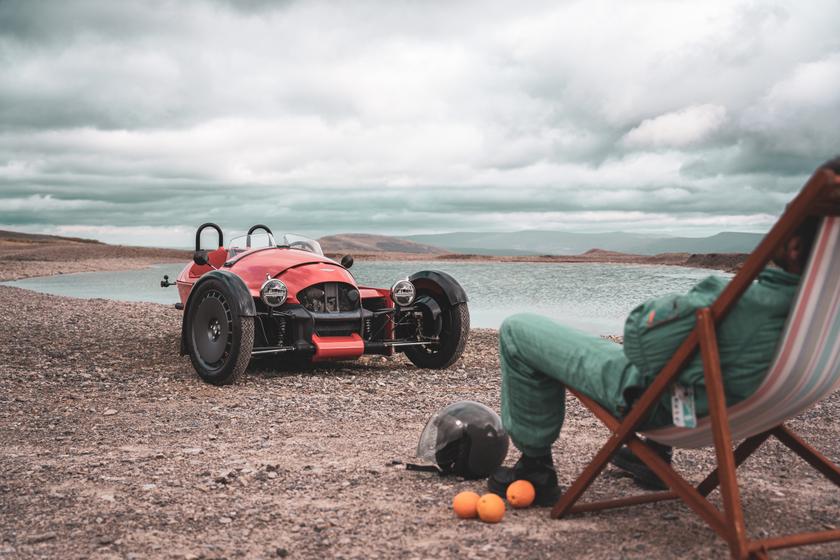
<point x="336" y="328"/>
<point x="329" y="297"/>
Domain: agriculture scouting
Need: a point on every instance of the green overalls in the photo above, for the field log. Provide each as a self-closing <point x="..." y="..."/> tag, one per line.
<point x="539" y="357"/>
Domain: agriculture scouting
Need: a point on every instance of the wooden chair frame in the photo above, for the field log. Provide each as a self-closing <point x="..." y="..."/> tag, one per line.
<point x="820" y="197"/>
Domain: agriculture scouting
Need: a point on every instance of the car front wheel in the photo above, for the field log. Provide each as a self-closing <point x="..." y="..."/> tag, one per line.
<point x="455" y="329"/>
<point x="219" y="339"/>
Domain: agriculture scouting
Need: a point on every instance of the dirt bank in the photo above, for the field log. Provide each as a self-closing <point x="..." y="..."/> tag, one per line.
<point x="113" y="448"/>
<point x="28" y="255"/>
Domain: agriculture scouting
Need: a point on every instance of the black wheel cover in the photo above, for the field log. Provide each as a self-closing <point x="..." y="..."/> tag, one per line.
<point x="455" y="327"/>
<point x="212" y="330"/>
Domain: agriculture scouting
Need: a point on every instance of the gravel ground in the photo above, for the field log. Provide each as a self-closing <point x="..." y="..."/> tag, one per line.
<point x="113" y="448"/>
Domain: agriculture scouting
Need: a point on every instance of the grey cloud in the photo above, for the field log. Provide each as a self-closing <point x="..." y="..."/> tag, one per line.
<point x="255" y="6"/>
<point x="42" y="24"/>
<point x="401" y="116"/>
<point x="324" y="210"/>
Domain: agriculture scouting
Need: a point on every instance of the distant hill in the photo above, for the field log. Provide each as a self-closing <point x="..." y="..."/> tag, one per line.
<point x="724" y="242"/>
<point x="369" y="243"/>
<point x="538" y="242"/>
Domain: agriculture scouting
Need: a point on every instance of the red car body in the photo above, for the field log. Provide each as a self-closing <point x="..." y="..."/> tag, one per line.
<point x="298" y="269"/>
<point x="325" y="314"/>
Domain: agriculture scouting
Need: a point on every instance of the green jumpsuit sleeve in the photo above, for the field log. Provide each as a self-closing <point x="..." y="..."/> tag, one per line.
<point x="747" y="338"/>
<point x="655" y="329"/>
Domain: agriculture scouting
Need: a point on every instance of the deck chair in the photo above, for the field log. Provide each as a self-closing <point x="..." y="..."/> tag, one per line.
<point x="805" y="370"/>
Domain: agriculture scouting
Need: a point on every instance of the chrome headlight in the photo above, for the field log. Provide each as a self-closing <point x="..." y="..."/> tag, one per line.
<point x="273" y="293"/>
<point x="403" y="293"/>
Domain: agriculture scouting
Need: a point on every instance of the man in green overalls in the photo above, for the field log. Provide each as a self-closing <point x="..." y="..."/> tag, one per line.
<point x="540" y="357"/>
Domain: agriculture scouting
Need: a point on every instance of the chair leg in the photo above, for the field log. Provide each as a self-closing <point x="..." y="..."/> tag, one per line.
<point x="722" y="435"/>
<point x="723" y="523"/>
<point x="747" y="448"/>
<point x="681" y="487"/>
<point x="811" y="455"/>
<point x="647" y="498"/>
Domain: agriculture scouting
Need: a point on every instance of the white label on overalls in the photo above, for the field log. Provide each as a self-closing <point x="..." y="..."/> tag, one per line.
<point x="682" y="406"/>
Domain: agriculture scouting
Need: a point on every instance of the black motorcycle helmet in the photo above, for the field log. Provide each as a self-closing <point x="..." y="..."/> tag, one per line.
<point x="466" y="439"/>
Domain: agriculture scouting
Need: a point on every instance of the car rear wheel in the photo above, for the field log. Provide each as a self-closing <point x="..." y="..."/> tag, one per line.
<point x="219" y="339"/>
<point x="455" y="329"/>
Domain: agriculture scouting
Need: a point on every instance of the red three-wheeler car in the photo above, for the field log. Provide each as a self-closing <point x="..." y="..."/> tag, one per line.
<point x="263" y="297"/>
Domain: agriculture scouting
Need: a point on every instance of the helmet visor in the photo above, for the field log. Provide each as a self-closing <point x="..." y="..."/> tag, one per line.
<point x="440" y="430"/>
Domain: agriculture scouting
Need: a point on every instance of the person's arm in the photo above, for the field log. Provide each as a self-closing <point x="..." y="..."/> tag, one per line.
<point x="655" y="329"/>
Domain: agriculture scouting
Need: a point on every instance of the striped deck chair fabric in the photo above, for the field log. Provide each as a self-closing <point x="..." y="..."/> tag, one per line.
<point x="807" y="365"/>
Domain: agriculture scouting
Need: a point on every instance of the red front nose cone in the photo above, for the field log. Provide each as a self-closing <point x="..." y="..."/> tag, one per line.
<point x="337" y="347"/>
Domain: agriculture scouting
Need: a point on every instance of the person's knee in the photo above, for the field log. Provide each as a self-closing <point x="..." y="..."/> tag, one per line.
<point x="515" y="325"/>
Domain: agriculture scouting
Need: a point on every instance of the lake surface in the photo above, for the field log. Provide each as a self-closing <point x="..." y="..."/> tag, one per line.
<point x="591" y="297"/>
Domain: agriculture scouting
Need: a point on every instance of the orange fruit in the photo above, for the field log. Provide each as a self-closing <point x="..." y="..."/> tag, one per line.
<point x="464" y="505"/>
<point x="521" y="494"/>
<point x="491" y="508"/>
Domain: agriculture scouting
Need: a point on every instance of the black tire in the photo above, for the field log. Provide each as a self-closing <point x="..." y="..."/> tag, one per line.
<point x="454" y="333"/>
<point x="219" y="339"/>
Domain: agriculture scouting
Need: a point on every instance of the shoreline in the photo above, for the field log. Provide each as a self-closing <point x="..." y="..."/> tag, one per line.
<point x="26" y="256"/>
<point x="34" y="258"/>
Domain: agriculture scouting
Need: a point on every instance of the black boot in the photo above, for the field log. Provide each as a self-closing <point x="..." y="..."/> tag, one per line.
<point x="539" y="471"/>
<point x="627" y="461"/>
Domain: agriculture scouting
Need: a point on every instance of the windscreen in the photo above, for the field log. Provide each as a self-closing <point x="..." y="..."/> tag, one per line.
<point x="243" y="243"/>
<point x="294" y="241"/>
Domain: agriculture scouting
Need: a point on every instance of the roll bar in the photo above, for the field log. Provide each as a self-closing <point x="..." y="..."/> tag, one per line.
<point x="253" y="229"/>
<point x="201" y="228"/>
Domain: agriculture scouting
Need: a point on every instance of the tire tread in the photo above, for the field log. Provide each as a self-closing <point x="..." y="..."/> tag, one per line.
<point x="246" y="345"/>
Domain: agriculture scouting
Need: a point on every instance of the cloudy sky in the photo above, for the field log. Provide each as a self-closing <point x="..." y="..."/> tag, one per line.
<point x="134" y="122"/>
